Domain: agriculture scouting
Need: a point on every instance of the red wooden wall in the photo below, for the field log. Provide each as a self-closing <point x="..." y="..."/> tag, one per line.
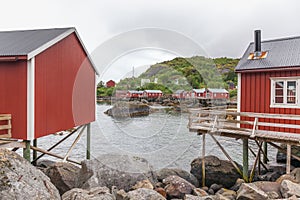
<point x="256" y="94"/>
<point x="13" y="95"/>
<point x="64" y="88"/>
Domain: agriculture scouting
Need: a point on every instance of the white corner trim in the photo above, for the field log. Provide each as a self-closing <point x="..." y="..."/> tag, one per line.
<point x="50" y="43"/>
<point x="239" y="95"/>
<point x="30" y="98"/>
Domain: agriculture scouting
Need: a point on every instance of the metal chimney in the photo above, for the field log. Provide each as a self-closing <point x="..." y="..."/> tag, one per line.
<point x="257" y="43"/>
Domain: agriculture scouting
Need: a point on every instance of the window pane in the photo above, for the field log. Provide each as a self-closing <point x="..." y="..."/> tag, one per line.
<point x="279" y="85"/>
<point x="291" y="92"/>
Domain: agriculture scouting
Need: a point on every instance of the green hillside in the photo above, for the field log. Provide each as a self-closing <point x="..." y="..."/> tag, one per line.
<point x="186" y="74"/>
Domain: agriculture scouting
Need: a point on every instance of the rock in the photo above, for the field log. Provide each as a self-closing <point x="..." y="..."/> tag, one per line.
<point x="161" y="191"/>
<point x="44" y="163"/>
<point x="270" y="176"/>
<point x="286" y="177"/>
<point x="191" y="197"/>
<point x="215" y="187"/>
<point x="259" y="190"/>
<point x="143" y="184"/>
<point x="121" y="195"/>
<point x="288" y="189"/>
<point x="229" y="194"/>
<point x="98" y="193"/>
<point x="21" y="180"/>
<point x="109" y="170"/>
<point x="63" y="175"/>
<point x="128" y="109"/>
<point x="217" y="171"/>
<point x="211" y="191"/>
<point x="199" y="192"/>
<point x="177" y="187"/>
<point x="296" y="174"/>
<point x="144" y="194"/>
<point x="165" y="172"/>
<point x="237" y="184"/>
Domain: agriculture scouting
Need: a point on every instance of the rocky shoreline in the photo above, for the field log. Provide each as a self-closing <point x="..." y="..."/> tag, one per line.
<point x="123" y="177"/>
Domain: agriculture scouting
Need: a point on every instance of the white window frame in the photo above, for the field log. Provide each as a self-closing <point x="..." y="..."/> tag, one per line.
<point x="284" y="104"/>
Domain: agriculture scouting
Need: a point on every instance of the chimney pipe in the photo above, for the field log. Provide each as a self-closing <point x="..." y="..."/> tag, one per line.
<point x="257" y="43"/>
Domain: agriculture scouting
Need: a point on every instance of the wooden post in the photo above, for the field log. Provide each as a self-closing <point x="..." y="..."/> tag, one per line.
<point x="88" y="142"/>
<point x="26" y="150"/>
<point x="34" y="155"/>
<point x="245" y="160"/>
<point x="265" y="152"/>
<point x="203" y="160"/>
<point x="288" y="158"/>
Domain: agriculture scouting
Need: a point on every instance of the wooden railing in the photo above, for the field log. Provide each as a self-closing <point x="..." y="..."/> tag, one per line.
<point x="5" y="125"/>
<point x="268" y="127"/>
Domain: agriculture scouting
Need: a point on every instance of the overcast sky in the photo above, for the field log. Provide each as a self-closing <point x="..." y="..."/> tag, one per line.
<point x="219" y="27"/>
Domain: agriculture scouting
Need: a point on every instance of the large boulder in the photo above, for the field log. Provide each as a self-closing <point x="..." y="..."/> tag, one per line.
<point x="98" y="193"/>
<point x="20" y="180"/>
<point x="216" y="171"/>
<point x="63" y="175"/>
<point x="165" y="172"/>
<point x="144" y="194"/>
<point x="128" y="109"/>
<point x="109" y="170"/>
<point x="177" y="187"/>
<point x="289" y="188"/>
<point x="259" y="190"/>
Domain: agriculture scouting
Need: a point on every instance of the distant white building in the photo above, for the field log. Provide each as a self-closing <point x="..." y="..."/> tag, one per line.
<point x="144" y="81"/>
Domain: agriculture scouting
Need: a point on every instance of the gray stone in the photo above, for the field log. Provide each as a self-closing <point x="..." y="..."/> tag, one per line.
<point x="191" y="197"/>
<point x="109" y="170"/>
<point x="98" y="193"/>
<point x="288" y="189"/>
<point x="215" y="187"/>
<point x="199" y="192"/>
<point x="144" y="194"/>
<point x="237" y="184"/>
<point x="177" y="187"/>
<point x="63" y="175"/>
<point x="143" y="184"/>
<point x="20" y="180"/>
<point x="121" y="195"/>
<point x="165" y="172"/>
<point x="216" y="171"/>
<point x="229" y="194"/>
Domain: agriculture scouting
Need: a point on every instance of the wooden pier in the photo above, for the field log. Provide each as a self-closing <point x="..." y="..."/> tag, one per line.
<point x="263" y="128"/>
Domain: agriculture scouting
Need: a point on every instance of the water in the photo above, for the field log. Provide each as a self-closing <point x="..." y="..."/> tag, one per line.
<point x="162" y="138"/>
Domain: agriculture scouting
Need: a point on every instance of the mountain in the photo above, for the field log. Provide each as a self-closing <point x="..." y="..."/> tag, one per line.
<point x="186" y="74"/>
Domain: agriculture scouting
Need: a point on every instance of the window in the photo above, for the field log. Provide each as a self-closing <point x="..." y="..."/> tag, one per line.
<point x="284" y="92"/>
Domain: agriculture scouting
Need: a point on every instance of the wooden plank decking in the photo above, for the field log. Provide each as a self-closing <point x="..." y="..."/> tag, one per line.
<point x="5" y="120"/>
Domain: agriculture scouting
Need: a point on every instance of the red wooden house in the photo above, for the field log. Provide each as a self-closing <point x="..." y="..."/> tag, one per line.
<point x="110" y="83"/>
<point x="213" y="93"/>
<point x="47" y="81"/>
<point x="269" y="77"/>
<point x="152" y="93"/>
<point x="198" y="93"/>
<point x="134" y="94"/>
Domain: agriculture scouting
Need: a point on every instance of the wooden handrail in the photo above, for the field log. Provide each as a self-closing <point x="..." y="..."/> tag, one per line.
<point x="5" y="118"/>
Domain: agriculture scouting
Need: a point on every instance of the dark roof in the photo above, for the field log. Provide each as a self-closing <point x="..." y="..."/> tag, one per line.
<point x="284" y="52"/>
<point x="15" y="43"/>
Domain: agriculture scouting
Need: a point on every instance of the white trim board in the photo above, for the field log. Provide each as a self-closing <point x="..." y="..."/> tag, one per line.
<point x="30" y="98"/>
<point x="239" y="95"/>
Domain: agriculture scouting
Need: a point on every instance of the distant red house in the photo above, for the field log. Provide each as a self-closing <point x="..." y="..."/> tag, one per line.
<point x="212" y="93"/>
<point x="110" y="83"/>
<point x="134" y="94"/>
<point x="269" y="77"/>
<point x="198" y="93"/>
<point x="47" y="81"/>
<point x="120" y="93"/>
<point x="181" y="94"/>
<point x="152" y="93"/>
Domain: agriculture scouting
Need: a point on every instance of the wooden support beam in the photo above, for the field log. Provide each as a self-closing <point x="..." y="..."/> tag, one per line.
<point x="227" y="155"/>
<point x="264" y="166"/>
<point x="265" y="152"/>
<point x="283" y="150"/>
<point x="88" y="141"/>
<point x="261" y="149"/>
<point x="26" y="150"/>
<point x="203" y="160"/>
<point x="52" y="154"/>
<point x="34" y="154"/>
<point x="288" y="158"/>
<point x="245" y="160"/>
<point x="255" y="163"/>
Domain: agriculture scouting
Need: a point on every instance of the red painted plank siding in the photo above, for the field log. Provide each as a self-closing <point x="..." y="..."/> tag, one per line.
<point x="256" y="97"/>
<point x="64" y="88"/>
<point x="13" y="98"/>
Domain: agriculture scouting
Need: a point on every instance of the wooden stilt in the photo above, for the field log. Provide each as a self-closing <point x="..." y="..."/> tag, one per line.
<point x="265" y="158"/>
<point x="88" y="142"/>
<point x="245" y="160"/>
<point x="261" y="150"/>
<point x="254" y="165"/>
<point x="264" y="166"/>
<point x="227" y="155"/>
<point x="34" y="155"/>
<point x="26" y="150"/>
<point x="203" y="160"/>
<point x="73" y="144"/>
<point x="288" y="159"/>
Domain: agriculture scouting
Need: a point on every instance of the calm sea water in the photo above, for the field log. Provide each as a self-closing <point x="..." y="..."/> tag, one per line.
<point x="162" y="138"/>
